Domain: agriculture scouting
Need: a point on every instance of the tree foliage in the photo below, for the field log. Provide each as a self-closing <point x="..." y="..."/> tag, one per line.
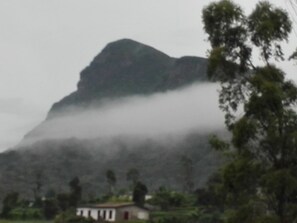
<point x="10" y="201"/>
<point x="70" y="217"/>
<point x="111" y="180"/>
<point x="75" y="192"/>
<point x="187" y="172"/>
<point x="69" y="200"/>
<point x="167" y="199"/>
<point x="260" y="180"/>
<point x="139" y="192"/>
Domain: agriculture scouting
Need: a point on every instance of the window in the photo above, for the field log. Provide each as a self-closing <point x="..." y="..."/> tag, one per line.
<point x="98" y="216"/>
<point x="104" y="215"/>
<point x="89" y="213"/>
<point x="81" y="213"/>
<point x="110" y="214"/>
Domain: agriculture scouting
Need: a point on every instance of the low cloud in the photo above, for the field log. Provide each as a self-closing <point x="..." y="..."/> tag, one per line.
<point x="173" y="113"/>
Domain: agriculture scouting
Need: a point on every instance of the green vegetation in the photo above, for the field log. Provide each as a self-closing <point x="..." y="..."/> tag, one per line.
<point x="75" y="192"/>
<point x="46" y="208"/>
<point x="111" y="180"/>
<point x="187" y="172"/>
<point x="167" y="199"/>
<point x="24" y="221"/>
<point x="25" y="213"/>
<point x="259" y="182"/>
<point x="139" y="192"/>
<point x="9" y="202"/>
<point x="61" y="161"/>
<point x="70" y="217"/>
<point x="173" y="216"/>
<point x="190" y="214"/>
<point x="132" y="221"/>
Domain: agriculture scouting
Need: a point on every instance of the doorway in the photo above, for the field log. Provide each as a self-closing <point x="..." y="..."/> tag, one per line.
<point x="126" y="215"/>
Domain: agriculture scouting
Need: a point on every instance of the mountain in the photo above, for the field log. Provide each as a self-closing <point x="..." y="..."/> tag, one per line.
<point x="127" y="67"/>
<point x="124" y="68"/>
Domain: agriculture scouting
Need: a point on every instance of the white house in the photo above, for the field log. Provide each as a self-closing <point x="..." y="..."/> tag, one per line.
<point x="113" y="212"/>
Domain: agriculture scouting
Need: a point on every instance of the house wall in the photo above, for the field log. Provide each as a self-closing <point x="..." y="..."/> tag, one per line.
<point x="135" y="213"/>
<point x="110" y="213"/>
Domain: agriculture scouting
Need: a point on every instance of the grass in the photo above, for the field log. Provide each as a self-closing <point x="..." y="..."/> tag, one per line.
<point x="176" y="213"/>
<point x="132" y="221"/>
<point x="24" y="221"/>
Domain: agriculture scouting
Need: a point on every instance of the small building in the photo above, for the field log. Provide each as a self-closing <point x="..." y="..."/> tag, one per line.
<point x="113" y="212"/>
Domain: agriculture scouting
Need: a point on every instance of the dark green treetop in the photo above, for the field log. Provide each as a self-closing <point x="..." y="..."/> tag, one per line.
<point x="111" y="180"/>
<point x="139" y="192"/>
<point x="260" y="180"/>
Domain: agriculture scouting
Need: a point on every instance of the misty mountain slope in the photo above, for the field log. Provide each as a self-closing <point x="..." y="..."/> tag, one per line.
<point x="58" y="162"/>
<point x="135" y="107"/>
<point x="126" y="67"/>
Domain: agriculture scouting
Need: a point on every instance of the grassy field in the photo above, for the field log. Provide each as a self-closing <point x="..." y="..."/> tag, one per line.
<point x="24" y="221"/>
<point x="176" y="213"/>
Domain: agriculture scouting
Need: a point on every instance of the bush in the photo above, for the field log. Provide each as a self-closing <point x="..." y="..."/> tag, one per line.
<point x="172" y="219"/>
<point x="50" y="208"/>
<point x="167" y="199"/>
<point x="70" y="217"/>
<point x="25" y="214"/>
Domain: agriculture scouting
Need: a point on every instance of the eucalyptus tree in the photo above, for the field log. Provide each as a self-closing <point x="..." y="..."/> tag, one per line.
<point x="259" y="180"/>
<point x="111" y="180"/>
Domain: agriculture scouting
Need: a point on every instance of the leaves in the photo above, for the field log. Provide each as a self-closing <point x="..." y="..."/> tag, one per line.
<point x="218" y="144"/>
<point x="225" y="24"/>
<point x="264" y="136"/>
<point x="226" y="30"/>
<point x="269" y="25"/>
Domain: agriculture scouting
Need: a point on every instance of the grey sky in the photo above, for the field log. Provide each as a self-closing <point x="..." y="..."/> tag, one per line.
<point x="45" y="44"/>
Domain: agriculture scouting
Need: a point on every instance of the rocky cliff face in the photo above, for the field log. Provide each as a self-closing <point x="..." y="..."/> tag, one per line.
<point x="127" y="67"/>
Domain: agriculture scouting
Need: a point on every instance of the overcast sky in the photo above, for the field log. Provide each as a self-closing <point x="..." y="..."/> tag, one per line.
<point x="45" y="44"/>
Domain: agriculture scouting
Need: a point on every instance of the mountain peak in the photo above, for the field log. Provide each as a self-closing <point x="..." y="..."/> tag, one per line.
<point x="128" y="44"/>
<point x="127" y="67"/>
<point x="128" y="48"/>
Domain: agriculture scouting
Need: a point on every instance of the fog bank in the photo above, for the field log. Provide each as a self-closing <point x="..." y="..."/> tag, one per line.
<point x="173" y="113"/>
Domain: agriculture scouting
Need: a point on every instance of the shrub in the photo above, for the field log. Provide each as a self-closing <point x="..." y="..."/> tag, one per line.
<point x="70" y="217"/>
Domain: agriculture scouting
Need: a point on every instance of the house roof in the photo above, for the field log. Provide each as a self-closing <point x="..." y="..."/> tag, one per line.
<point x="109" y="205"/>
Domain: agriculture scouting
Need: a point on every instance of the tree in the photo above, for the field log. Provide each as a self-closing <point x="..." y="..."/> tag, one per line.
<point x="50" y="208"/>
<point x="111" y="180"/>
<point x="63" y="201"/>
<point x="211" y="197"/>
<point x="139" y="192"/>
<point x="259" y="180"/>
<point x="69" y="217"/>
<point x="187" y="172"/>
<point x="162" y="198"/>
<point x="75" y="192"/>
<point x="37" y="186"/>
<point x="133" y="176"/>
<point x="166" y="199"/>
<point x="10" y="201"/>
